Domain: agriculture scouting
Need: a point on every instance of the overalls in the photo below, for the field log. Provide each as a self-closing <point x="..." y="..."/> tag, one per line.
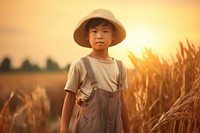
<point x="101" y="112"/>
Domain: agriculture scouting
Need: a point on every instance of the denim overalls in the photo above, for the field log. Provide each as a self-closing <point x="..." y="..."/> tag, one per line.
<point x="101" y="112"/>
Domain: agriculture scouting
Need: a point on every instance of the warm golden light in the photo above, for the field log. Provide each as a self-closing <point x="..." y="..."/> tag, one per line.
<point x="138" y="39"/>
<point x="39" y="29"/>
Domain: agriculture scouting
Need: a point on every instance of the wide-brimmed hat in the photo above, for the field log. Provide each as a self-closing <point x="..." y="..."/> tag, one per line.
<point x="79" y="33"/>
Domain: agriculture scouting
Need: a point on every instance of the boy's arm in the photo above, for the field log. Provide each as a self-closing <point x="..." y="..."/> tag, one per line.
<point x="67" y="110"/>
<point x="125" y="121"/>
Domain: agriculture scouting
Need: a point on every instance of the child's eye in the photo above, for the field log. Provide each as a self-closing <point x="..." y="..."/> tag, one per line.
<point x="94" y="31"/>
<point x="106" y="31"/>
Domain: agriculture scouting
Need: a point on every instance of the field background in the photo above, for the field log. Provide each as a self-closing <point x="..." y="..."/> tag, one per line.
<point x="24" y="83"/>
<point x="163" y="96"/>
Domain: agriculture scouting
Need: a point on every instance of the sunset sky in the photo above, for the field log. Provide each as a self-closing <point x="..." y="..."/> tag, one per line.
<point x="38" y="29"/>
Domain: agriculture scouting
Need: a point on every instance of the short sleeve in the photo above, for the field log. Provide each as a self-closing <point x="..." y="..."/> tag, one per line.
<point x="73" y="79"/>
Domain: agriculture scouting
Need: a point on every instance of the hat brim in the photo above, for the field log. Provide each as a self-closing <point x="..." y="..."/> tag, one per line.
<point x="80" y="31"/>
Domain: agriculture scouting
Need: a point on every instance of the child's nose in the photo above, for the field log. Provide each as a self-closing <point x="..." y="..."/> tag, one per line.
<point x="99" y="35"/>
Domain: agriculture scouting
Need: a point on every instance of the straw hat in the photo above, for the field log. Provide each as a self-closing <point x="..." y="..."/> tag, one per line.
<point x="79" y="33"/>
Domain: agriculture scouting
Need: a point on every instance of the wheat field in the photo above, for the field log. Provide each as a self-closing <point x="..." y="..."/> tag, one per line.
<point x="31" y="102"/>
<point x="163" y="96"/>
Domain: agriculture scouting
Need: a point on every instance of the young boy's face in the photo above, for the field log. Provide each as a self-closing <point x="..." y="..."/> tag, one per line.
<point x="101" y="36"/>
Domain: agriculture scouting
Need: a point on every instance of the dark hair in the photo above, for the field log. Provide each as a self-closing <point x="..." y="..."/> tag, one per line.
<point x="96" y="22"/>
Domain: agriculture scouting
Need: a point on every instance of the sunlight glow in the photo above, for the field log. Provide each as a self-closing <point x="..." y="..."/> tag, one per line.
<point x="138" y="39"/>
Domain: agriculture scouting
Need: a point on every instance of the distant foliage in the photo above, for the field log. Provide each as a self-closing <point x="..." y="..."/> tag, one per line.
<point x="27" y="66"/>
<point x="52" y="65"/>
<point x="67" y="67"/>
<point x="6" y="65"/>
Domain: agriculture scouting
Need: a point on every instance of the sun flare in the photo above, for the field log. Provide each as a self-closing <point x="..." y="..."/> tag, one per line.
<point x="138" y="39"/>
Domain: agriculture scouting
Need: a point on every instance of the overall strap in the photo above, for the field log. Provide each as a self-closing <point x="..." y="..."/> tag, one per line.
<point x="92" y="75"/>
<point x="120" y="65"/>
<point x="90" y="71"/>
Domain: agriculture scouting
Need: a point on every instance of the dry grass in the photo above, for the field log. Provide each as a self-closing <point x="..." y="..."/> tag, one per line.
<point x="31" y="108"/>
<point x="32" y="116"/>
<point x="53" y="83"/>
<point x="5" y="116"/>
<point x="165" y="97"/>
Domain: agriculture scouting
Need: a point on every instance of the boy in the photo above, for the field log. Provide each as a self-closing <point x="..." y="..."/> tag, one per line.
<point x="96" y="80"/>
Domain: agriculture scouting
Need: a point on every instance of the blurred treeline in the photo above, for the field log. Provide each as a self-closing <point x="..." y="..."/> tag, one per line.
<point x="27" y="66"/>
